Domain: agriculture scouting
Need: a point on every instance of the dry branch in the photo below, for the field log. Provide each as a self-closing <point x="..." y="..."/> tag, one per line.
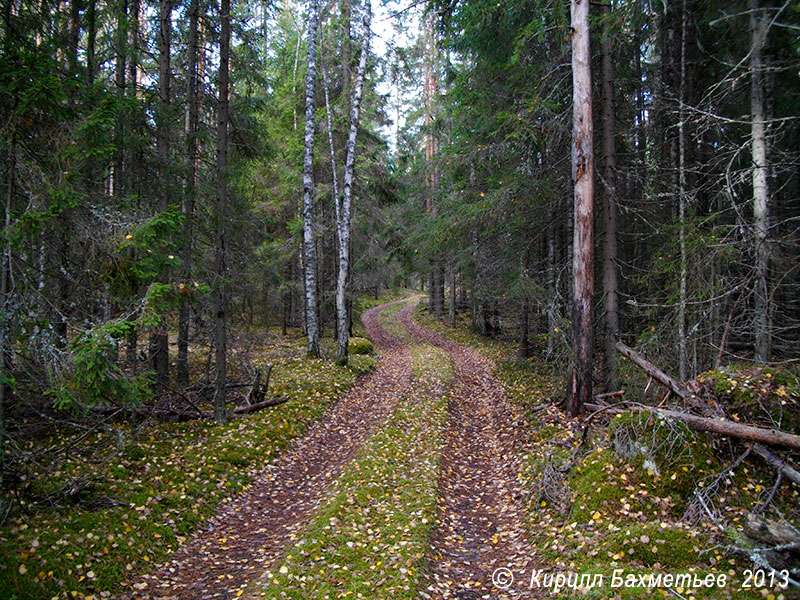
<point x="652" y="370"/>
<point x="772" y="437"/>
<point x="781" y="465"/>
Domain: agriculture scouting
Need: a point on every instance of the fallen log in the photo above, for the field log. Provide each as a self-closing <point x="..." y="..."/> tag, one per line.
<point x="782" y="467"/>
<point x="251" y="408"/>
<point x="771" y="437"/>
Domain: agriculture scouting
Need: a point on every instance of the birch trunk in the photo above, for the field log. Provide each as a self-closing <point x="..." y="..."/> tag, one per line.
<point x="309" y="247"/>
<point x="579" y="389"/>
<point x="220" y="300"/>
<point x="758" y="31"/>
<point x="343" y="223"/>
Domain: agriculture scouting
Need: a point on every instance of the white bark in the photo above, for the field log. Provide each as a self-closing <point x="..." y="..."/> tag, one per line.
<point x="344" y="213"/>
<point x="758" y="31"/>
<point x="309" y="248"/>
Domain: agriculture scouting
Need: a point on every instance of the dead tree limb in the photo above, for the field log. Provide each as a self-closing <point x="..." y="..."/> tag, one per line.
<point x="781" y="465"/>
<point x="652" y="370"/>
<point x="772" y="437"/>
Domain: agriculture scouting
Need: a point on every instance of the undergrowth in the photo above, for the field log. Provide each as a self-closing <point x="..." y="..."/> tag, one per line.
<point x="591" y="510"/>
<point x="139" y="492"/>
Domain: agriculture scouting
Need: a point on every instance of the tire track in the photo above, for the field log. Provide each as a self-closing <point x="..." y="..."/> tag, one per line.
<point x="481" y="526"/>
<point x="251" y="531"/>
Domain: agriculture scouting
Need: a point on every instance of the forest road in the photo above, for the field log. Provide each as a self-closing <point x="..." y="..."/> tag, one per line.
<point x="480" y="547"/>
<point x="252" y="530"/>
<point x="480" y="533"/>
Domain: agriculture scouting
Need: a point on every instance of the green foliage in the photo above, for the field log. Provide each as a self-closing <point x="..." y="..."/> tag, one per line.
<point x="92" y="377"/>
<point x="145" y="253"/>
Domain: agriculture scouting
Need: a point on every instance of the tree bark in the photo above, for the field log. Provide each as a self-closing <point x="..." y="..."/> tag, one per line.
<point x="758" y="31"/>
<point x="683" y="360"/>
<point x="343" y="226"/>
<point x="159" y="340"/>
<point x="579" y="390"/>
<point x="91" y="42"/>
<point x="189" y="196"/>
<point x="220" y="299"/>
<point x="610" y="278"/>
<point x="309" y="247"/>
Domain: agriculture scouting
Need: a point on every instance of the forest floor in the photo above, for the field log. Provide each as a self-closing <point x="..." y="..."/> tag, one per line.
<point x="446" y="472"/>
<point x="466" y="439"/>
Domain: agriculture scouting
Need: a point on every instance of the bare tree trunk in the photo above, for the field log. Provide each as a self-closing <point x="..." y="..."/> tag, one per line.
<point x="159" y="339"/>
<point x="436" y="301"/>
<point x="7" y="306"/>
<point x="683" y="360"/>
<point x="189" y="196"/>
<point x="309" y="247"/>
<point x="220" y="300"/>
<point x="343" y="225"/>
<point x="610" y="279"/>
<point x="579" y="390"/>
<point x="121" y="35"/>
<point x="91" y="41"/>
<point x="73" y="36"/>
<point x="758" y="31"/>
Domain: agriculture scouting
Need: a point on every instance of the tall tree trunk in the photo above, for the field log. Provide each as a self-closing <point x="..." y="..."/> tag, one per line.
<point x="74" y="36"/>
<point x="91" y="41"/>
<point x="431" y="152"/>
<point x="309" y="246"/>
<point x="579" y="389"/>
<point x="610" y="279"/>
<point x="189" y="196"/>
<point x="7" y="307"/>
<point x="683" y="356"/>
<point x="759" y="25"/>
<point x="220" y="300"/>
<point x="121" y="35"/>
<point x="159" y="340"/>
<point x="343" y="224"/>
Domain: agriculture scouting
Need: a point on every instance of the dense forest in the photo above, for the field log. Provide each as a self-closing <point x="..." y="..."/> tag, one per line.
<point x="575" y="182"/>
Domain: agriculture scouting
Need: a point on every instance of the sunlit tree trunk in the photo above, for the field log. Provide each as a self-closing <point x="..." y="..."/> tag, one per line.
<point x="683" y="356"/>
<point x="343" y="220"/>
<point x="309" y="246"/>
<point x="579" y="390"/>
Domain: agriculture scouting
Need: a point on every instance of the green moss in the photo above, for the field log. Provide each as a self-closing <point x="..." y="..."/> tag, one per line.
<point x="360" y="345"/>
<point x="361" y="364"/>
<point x="673" y="456"/>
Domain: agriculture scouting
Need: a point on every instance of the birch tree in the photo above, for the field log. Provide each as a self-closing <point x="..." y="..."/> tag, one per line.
<point x="343" y="213"/>
<point x="758" y="32"/>
<point x="309" y="248"/>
